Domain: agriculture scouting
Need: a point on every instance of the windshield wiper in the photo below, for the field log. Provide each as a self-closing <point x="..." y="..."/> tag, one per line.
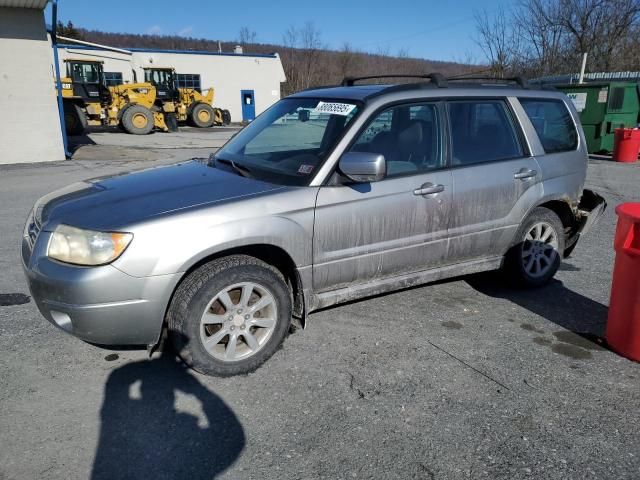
<point x="239" y="169"/>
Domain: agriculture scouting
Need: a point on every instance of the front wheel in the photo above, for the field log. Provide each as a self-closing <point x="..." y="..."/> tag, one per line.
<point x="230" y="315"/>
<point x="137" y="120"/>
<point x="203" y="115"/>
<point x="536" y="256"/>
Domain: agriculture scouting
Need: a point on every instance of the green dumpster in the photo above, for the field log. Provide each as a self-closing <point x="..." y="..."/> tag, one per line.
<point x="603" y="107"/>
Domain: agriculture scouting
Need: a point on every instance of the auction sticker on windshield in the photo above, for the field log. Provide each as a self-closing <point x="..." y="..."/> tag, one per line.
<point x="334" y="108"/>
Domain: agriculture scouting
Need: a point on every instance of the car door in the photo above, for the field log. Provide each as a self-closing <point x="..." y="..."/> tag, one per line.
<point x="495" y="180"/>
<point x="366" y="231"/>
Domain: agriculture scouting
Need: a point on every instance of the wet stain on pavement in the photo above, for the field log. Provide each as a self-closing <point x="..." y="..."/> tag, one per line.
<point x="11" y="299"/>
<point x="452" y="325"/>
<point x="571" y="351"/>
<point x="530" y="328"/>
<point x="111" y="357"/>
<point x="570" y="344"/>
<point x="590" y="342"/>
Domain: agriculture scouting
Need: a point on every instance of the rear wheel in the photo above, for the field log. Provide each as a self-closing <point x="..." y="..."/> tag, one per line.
<point x="171" y="120"/>
<point x="74" y="120"/>
<point x="137" y="120"/>
<point x="202" y="115"/>
<point x="536" y="256"/>
<point x="226" y="117"/>
<point x="230" y="315"/>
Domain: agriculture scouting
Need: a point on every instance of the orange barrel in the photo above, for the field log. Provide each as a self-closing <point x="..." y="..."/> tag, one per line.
<point x="623" y="324"/>
<point x="626" y="144"/>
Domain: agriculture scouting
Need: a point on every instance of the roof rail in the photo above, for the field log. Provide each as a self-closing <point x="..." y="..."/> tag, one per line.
<point x="436" y="78"/>
<point x="521" y="82"/>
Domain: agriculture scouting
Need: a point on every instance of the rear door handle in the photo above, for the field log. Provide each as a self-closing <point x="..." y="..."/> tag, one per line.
<point x="524" y="174"/>
<point x="428" y="189"/>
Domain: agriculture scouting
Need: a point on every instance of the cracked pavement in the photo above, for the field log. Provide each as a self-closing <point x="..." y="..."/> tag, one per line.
<point x="466" y="378"/>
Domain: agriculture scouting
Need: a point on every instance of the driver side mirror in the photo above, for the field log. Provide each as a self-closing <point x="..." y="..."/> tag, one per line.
<point x="363" y="167"/>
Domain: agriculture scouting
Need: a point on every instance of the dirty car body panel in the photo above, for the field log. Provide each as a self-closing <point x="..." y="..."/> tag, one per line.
<point x="345" y="240"/>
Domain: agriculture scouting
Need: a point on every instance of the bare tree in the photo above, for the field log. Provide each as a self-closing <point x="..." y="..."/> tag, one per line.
<point x="310" y="46"/>
<point x="496" y="40"/>
<point x="347" y="60"/>
<point x="246" y="36"/>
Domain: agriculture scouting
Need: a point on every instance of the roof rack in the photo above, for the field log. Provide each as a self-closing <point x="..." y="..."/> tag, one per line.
<point x="436" y="78"/>
<point x="521" y="82"/>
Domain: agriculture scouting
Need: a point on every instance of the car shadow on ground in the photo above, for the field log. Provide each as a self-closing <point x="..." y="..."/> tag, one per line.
<point x="583" y="319"/>
<point x="151" y="429"/>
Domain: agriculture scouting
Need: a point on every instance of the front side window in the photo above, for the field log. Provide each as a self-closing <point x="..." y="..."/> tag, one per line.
<point x="409" y="137"/>
<point x="481" y="131"/>
<point x="553" y="124"/>
<point x="158" y="77"/>
<point x="86" y="72"/>
<point x="288" y="143"/>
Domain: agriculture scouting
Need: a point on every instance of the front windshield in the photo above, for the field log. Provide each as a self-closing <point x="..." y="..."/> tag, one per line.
<point x="288" y="143"/>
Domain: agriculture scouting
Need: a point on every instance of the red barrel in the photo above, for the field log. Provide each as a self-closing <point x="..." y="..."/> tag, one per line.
<point x="623" y="325"/>
<point x="626" y="144"/>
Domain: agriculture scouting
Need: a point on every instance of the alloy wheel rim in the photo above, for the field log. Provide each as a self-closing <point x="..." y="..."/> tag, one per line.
<point x="539" y="249"/>
<point x="238" y="322"/>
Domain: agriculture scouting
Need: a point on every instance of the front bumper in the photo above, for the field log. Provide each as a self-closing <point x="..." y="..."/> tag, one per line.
<point x="101" y="305"/>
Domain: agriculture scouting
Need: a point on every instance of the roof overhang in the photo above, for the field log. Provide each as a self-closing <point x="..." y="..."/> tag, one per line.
<point x="38" y="4"/>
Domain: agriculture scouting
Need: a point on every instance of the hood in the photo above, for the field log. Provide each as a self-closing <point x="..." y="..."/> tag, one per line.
<point x="115" y="202"/>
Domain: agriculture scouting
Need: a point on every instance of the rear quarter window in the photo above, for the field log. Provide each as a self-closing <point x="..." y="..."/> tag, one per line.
<point x="553" y="124"/>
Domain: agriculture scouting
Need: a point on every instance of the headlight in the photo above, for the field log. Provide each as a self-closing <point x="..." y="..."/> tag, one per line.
<point x="86" y="247"/>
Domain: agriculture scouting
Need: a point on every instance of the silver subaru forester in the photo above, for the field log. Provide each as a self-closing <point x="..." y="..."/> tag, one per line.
<point x="332" y="194"/>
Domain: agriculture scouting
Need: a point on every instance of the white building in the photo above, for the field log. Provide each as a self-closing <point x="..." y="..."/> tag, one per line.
<point x="245" y="84"/>
<point x="30" y="130"/>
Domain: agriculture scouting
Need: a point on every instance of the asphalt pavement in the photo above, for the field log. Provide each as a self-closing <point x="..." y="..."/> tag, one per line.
<point x="467" y="378"/>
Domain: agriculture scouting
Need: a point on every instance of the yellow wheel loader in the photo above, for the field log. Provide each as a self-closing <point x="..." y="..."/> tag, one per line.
<point x="88" y="101"/>
<point x="188" y="104"/>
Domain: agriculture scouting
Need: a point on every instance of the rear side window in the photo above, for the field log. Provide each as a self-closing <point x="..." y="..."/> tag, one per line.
<point x="553" y="124"/>
<point x="481" y="132"/>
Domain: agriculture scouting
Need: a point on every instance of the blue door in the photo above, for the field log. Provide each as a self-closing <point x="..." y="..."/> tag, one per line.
<point x="248" y="105"/>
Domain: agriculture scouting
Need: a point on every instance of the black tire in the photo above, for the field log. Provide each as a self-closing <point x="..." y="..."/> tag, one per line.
<point x="516" y="261"/>
<point x="171" y="120"/>
<point x="202" y="115"/>
<point x="226" y="117"/>
<point x="74" y="119"/>
<point x="137" y="120"/>
<point x="218" y="116"/>
<point x="200" y="288"/>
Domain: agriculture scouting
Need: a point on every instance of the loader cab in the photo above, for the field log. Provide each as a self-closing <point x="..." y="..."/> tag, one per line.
<point x="164" y="79"/>
<point x="87" y="78"/>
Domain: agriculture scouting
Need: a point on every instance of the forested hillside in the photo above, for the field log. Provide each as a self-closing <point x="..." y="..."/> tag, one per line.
<point x="306" y="60"/>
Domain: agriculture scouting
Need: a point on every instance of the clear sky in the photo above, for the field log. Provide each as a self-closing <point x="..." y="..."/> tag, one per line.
<point x="433" y="29"/>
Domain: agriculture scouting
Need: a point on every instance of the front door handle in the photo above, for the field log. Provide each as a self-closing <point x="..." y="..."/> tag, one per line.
<point x="524" y="174"/>
<point x="429" y="189"/>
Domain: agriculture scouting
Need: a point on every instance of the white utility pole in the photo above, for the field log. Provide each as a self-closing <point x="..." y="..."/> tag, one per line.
<point x="582" y="69"/>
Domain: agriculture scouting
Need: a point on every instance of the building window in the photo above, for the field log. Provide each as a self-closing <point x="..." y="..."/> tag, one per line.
<point x="113" y="78"/>
<point x="188" y="80"/>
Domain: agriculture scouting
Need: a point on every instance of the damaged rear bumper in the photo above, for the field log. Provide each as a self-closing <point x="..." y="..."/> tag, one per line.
<point x="592" y="206"/>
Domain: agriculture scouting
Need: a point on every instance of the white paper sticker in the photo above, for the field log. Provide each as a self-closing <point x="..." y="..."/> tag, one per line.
<point x="602" y="95"/>
<point x="343" y="109"/>
<point x="579" y="100"/>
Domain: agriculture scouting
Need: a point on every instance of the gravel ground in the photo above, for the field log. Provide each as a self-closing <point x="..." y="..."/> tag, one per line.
<point x="466" y="378"/>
